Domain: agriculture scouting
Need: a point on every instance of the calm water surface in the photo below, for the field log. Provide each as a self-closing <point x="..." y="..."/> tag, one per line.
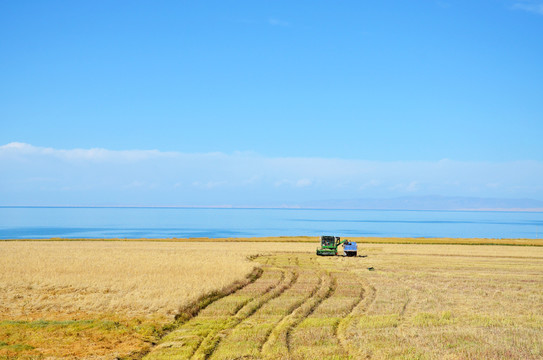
<point x="16" y="223"/>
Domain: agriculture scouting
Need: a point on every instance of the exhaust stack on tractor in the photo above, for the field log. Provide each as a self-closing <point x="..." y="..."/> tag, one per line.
<point x="329" y="245"/>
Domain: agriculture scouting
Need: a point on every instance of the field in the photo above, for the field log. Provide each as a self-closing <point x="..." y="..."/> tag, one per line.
<point x="226" y="300"/>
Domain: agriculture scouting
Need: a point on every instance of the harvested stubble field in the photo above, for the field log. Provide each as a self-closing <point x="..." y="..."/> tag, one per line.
<point x="173" y="300"/>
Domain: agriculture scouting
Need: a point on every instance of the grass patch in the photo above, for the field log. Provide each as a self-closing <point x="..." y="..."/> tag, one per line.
<point x="429" y="319"/>
<point x="378" y="321"/>
<point x="76" y="338"/>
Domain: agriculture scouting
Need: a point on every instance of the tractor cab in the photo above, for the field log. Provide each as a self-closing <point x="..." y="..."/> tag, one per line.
<point x="329" y="241"/>
<point x="329" y="246"/>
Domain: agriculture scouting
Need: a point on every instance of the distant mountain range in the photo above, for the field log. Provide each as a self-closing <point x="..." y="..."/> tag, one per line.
<point x="429" y="203"/>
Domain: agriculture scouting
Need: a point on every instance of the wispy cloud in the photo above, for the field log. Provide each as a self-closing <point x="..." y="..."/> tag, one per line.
<point x="533" y="7"/>
<point x="41" y="175"/>
<point x="208" y="184"/>
<point x="277" y="22"/>
<point x="95" y="154"/>
<point x="443" y="4"/>
<point x="304" y="183"/>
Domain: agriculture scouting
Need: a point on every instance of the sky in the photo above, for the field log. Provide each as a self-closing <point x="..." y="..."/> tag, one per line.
<point x="267" y="102"/>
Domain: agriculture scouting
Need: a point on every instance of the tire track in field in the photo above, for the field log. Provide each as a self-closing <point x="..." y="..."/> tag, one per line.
<point x="340" y="327"/>
<point x="292" y="282"/>
<point x="367" y="297"/>
<point x="332" y="286"/>
<point x="212" y="340"/>
<point x="317" y="335"/>
<point x="182" y="340"/>
<point x="192" y="310"/>
<point x="231" y="330"/>
<point x="406" y="303"/>
<point x="296" y="305"/>
<point x="293" y="279"/>
<point x="271" y="336"/>
<point x="236" y="312"/>
<point x="248" y="337"/>
<point x="241" y="305"/>
<point x="278" y="341"/>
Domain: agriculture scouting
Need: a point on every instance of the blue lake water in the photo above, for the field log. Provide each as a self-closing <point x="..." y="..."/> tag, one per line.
<point x="17" y="223"/>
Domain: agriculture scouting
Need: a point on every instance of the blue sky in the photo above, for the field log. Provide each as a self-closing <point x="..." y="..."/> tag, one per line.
<point x="306" y="87"/>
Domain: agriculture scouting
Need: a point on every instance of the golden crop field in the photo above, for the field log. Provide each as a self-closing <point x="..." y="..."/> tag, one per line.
<point x="205" y="300"/>
<point x="77" y="299"/>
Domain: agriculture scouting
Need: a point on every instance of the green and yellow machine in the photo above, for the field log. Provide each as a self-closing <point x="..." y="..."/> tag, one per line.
<point x="329" y="245"/>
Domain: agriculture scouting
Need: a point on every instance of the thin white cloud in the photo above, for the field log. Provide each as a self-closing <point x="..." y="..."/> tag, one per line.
<point x="369" y="184"/>
<point x="536" y="8"/>
<point x="277" y="22"/>
<point x="443" y="4"/>
<point x="281" y="182"/>
<point x="303" y="183"/>
<point x="410" y="187"/>
<point x="208" y="184"/>
<point x="94" y="154"/>
<point x="16" y="146"/>
<point x="253" y="179"/>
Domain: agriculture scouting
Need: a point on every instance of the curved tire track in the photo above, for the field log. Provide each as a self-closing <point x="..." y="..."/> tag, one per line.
<point x="193" y="309"/>
<point x="271" y="336"/>
<point x="331" y="289"/>
<point x="367" y="297"/>
<point x="278" y="341"/>
<point x="210" y="343"/>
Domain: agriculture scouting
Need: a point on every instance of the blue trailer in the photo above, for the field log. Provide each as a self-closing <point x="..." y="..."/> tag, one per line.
<point x="350" y="248"/>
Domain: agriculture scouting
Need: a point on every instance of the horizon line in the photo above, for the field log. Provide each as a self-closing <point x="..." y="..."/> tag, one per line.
<point x="243" y="207"/>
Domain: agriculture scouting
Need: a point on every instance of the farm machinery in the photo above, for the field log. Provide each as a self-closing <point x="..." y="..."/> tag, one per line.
<point x="329" y="245"/>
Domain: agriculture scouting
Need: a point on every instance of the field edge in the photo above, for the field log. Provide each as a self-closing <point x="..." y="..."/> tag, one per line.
<point x="315" y="239"/>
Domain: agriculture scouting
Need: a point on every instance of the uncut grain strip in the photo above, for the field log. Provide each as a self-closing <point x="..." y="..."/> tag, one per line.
<point x="277" y="344"/>
<point x="210" y="343"/>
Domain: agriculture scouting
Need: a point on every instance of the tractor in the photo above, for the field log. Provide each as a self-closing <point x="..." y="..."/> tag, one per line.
<point x="329" y="245"/>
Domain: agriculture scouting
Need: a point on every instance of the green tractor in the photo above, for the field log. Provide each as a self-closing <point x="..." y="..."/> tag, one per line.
<point x="329" y="245"/>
